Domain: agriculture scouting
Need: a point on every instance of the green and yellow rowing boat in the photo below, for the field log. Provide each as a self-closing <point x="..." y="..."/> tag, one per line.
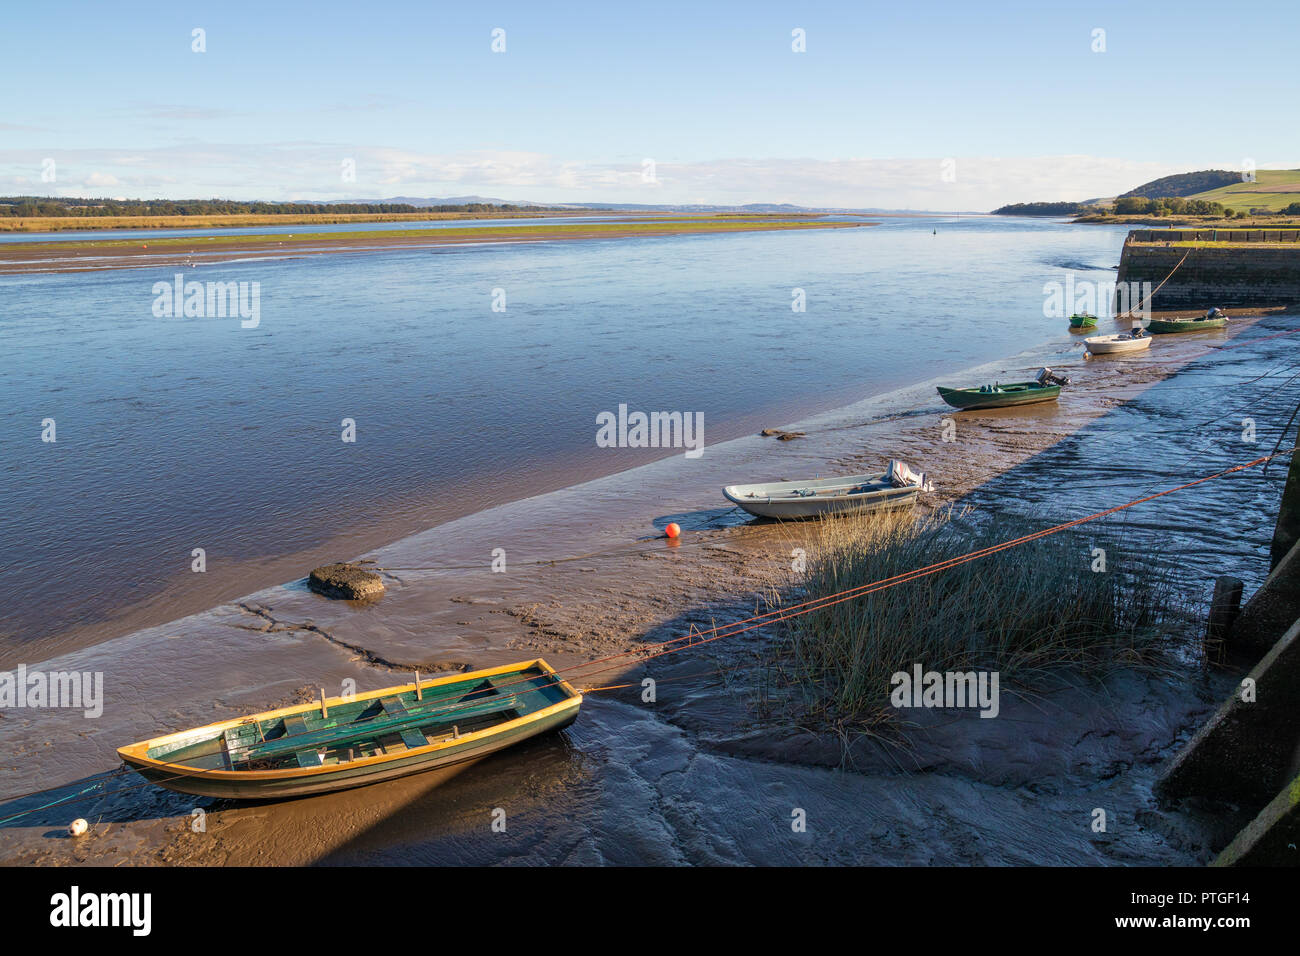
<point x="343" y="742"/>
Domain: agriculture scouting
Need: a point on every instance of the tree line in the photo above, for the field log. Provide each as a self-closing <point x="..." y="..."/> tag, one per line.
<point x="1131" y="206"/>
<point x="1168" y="206"/>
<point x="31" y="206"/>
<point x="1040" y="209"/>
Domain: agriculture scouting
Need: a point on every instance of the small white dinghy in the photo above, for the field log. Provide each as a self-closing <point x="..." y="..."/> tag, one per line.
<point x="898" y="487"/>
<point x="1134" y="340"/>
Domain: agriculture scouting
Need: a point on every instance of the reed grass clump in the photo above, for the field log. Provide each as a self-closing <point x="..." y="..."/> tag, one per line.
<point x="1023" y="611"/>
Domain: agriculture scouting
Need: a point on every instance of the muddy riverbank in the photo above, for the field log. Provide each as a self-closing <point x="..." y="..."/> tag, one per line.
<point x="92" y="255"/>
<point x="696" y="778"/>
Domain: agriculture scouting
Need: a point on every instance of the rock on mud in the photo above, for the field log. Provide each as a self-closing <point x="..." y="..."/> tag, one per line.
<point x="345" y="581"/>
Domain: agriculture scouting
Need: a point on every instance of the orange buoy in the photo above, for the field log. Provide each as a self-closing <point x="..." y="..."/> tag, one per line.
<point x="673" y="530"/>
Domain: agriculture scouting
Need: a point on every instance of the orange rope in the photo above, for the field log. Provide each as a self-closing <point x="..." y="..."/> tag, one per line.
<point x="663" y="648"/>
<point x="829" y="600"/>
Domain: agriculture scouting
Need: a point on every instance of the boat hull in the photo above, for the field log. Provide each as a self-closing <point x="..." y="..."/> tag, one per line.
<point x="1168" y="326"/>
<point x="970" y="399"/>
<point x="779" y="499"/>
<point x="448" y="755"/>
<point x="348" y="777"/>
<point x="1111" y="345"/>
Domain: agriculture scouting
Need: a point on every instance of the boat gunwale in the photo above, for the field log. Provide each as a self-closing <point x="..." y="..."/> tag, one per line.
<point x="1172" y="326"/>
<point x="1021" y="388"/>
<point x="137" y="754"/>
<point x="835" y="481"/>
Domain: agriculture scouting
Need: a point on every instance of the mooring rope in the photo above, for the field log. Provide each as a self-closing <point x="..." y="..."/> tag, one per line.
<point x="1130" y="312"/>
<point x="696" y="638"/>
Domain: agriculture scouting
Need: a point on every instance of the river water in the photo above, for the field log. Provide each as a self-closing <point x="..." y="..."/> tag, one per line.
<point x="176" y="434"/>
<point x="684" y="781"/>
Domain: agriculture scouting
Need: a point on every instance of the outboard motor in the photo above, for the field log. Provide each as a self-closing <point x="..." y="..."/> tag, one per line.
<point x="1047" y="377"/>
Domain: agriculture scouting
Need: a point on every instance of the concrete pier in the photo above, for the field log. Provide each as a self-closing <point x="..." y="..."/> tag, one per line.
<point x="1248" y="754"/>
<point x="1224" y="267"/>
<point x="1271" y="610"/>
<point x="1287" y="532"/>
<point x="1245" y="754"/>
<point x="1272" y="838"/>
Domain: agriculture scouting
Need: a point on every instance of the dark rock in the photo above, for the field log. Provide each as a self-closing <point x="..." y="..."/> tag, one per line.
<point x="345" y="581"/>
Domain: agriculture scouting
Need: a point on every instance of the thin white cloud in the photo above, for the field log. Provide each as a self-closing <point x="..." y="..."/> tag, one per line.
<point x="298" y="169"/>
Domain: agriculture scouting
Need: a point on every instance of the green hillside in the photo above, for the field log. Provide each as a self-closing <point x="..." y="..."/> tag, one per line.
<point x="1273" y="189"/>
<point x="1184" y="185"/>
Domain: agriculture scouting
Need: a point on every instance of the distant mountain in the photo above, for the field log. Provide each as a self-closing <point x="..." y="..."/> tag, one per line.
<point x="449" y="201"/>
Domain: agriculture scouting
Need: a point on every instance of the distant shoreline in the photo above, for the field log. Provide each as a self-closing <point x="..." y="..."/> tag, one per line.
<point x="41" y="224"/>
<point x="92" y="255"/>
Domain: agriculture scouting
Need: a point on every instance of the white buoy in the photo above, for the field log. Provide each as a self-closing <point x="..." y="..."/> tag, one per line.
<point x="78" y="827"/>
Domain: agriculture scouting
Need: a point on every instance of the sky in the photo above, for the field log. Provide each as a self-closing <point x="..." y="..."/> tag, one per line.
<point x="940" y="105"/>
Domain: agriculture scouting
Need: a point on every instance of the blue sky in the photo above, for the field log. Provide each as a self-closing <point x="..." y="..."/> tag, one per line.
<point x="411" y="93"/>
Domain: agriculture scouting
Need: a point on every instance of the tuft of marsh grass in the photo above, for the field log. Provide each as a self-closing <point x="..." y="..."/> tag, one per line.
<point x="1024" y="612"/>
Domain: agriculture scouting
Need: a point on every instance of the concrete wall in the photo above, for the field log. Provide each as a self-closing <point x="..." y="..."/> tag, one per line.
<point x="1214" y="235"/>
<point x="1254" y="274"/>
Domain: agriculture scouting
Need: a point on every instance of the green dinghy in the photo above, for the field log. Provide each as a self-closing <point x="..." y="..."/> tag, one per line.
<point x="999" y="396"/>
<point x="1165" y="326"/>
<point x="1045" y="388"/>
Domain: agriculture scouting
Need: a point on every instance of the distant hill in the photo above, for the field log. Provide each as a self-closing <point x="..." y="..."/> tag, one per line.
<point x="1273" y="189"/>
<point x="1184" y="184"/>
<point x="1206" y="193"/>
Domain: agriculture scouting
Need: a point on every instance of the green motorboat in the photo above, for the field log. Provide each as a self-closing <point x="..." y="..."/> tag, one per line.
<point x="1163" y="326"/>
<point x="1083" y="320"/>
<point x="999" y="396"/>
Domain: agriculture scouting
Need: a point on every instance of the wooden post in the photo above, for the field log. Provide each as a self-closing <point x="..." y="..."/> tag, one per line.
<point x="324" y="711"/>
<point x="419" y="694"/>
<point x="1224" y="608"/>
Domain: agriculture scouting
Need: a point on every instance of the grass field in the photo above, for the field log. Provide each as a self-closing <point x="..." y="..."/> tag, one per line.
<point x="675" y="226"/>
<point x="1273" y="189"/>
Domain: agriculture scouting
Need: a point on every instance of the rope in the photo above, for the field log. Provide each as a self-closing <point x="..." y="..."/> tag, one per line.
<point x="718" y="632"/>
<point x="1129" y="313"/>
<point x="55" y="803"/>
<point x="695" y="638"/>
